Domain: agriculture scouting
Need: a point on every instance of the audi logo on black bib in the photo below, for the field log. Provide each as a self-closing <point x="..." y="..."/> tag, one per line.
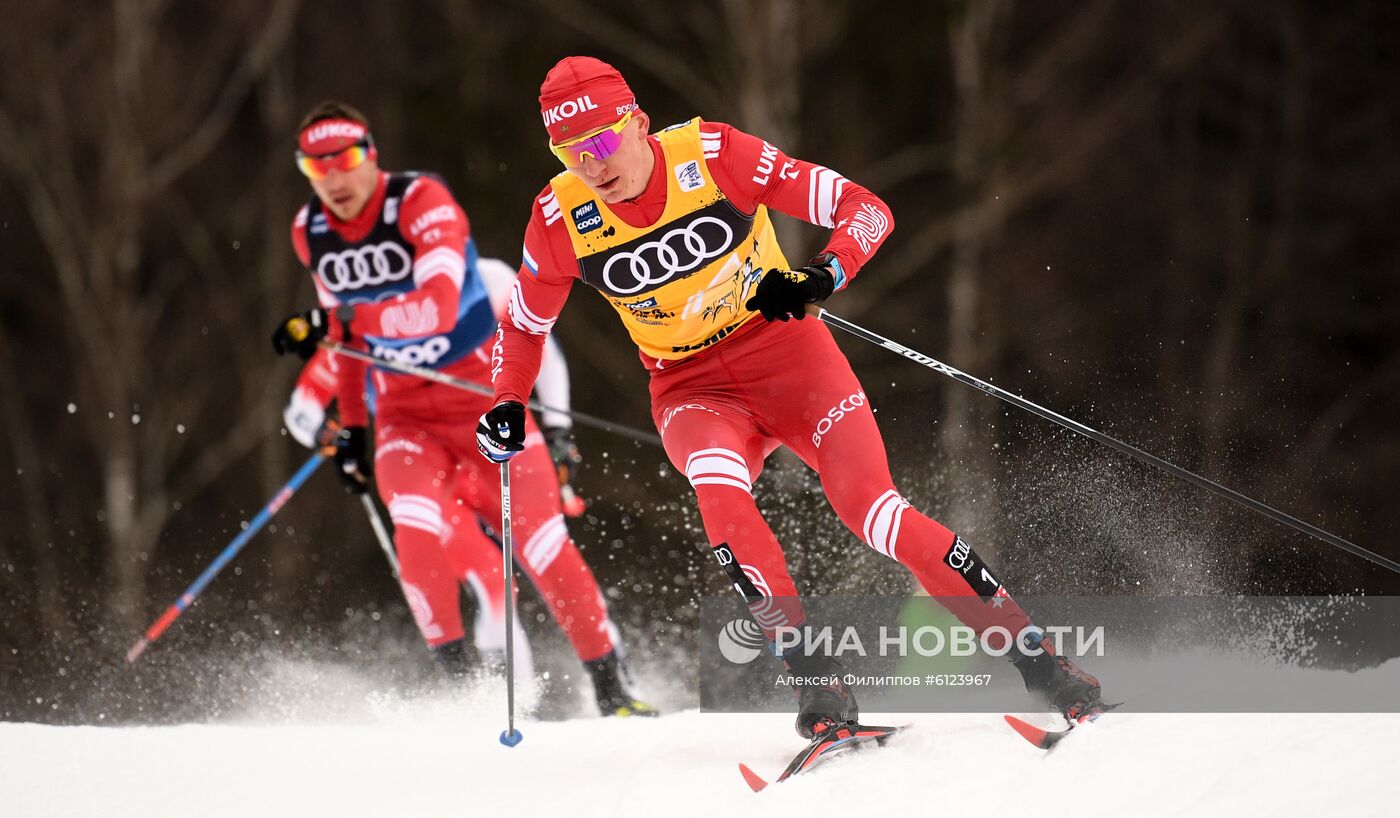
<point x="367" y="266"/>
<point x="678" y="251"/>
<point x="668" y="253"/>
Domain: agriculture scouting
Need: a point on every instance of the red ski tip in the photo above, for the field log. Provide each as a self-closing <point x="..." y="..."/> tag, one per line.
<point x="1029" y="732"/>
<point x="752" y="778"/>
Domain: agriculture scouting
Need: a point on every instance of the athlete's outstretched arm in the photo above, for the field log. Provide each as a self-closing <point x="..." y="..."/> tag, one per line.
<point x="752" y="172"/>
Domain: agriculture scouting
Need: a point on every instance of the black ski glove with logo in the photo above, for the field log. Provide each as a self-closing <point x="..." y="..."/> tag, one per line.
<point x="500" y="434"/>
<point x="786" y="293"/>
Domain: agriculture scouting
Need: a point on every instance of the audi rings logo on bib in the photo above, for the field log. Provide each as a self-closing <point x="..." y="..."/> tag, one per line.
<point x="362" y="267"/>
<point x="679" y="251"/>
<point x="669" y="253"/>
<point x="958" y="555"/>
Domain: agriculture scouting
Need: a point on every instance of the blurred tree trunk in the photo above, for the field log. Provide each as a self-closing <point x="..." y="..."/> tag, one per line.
<point x="96" y="186"/>
<point x="279" y="274"/>
<point x="49" y="614"/>
<point x="972" y="342"/>
<point x="767" y="80"/>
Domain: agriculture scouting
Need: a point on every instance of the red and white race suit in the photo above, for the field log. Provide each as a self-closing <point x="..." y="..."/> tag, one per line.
<point x="677" y="263"/>
<point x="419" y="293"/>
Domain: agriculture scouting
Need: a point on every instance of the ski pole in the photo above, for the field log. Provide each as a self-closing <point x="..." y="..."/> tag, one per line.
<point x="380" y="533"/>
<point x="1092" y="434"/>
<point x="510" y="736"/>
<point x="457" y="383"/>
<point x="273" y="506"/>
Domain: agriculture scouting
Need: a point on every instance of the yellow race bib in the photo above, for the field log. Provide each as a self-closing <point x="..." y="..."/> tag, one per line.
<point x="679" y="285"/>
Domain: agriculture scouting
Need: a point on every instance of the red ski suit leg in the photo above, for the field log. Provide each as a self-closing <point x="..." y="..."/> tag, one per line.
<point x="428" y="469"/>
<point x="716" y="444"/>
<point x="543" y="548"/>
<point x="412" y="471"/>
<point x="476" y="560"/>
<point x="789" y="383"/>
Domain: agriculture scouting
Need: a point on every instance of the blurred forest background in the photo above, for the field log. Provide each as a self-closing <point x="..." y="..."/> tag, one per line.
<point x="1172" y="221"/>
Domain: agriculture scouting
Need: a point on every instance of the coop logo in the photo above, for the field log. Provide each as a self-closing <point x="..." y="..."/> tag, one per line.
<point x="848" y="404"/>
<point x="587" y="217"/>
<point x="428" y="352"/>
<point x="566" y="110"/>
<point x="741" y="641"/>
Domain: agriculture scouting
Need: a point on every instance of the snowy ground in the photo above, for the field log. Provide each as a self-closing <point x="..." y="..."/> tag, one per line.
<point x="440" y="756"/>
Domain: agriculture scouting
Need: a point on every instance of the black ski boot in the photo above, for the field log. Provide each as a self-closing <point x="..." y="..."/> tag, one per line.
<point x="452" y="658"/>
<point x="823" y="699"/>
<point x="1057" y="682"/>
<point x="612" y="691"/>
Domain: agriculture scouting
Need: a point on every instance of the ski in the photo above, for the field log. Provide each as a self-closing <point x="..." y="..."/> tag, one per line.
<point x="1047" y="739"/>
<point x="835" y="740"/>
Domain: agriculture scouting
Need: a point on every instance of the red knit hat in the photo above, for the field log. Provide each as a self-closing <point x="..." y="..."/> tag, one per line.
<point x="582" y="94"/>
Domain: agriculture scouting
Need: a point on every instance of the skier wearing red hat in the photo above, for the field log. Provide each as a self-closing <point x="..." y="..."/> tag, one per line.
<point x="395" y="269"/>
<point x="673" y="229"/>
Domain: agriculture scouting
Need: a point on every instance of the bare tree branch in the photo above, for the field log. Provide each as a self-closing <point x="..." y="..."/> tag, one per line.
<point x="256" y="59"/>
<point x="667" y="65"/>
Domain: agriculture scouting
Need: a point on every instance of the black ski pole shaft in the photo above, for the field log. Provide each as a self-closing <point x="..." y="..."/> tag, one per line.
<point x="457" y="383"/>
<point x="1113" y="443"/>
<point x="510" y="736"/>
<point x="381" y="534"/>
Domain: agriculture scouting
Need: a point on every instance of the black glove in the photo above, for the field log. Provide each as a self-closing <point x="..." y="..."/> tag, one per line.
<point x="301" y="332"/>
<point x="500" y="434"/>
<point x="356" y="467"/>
<point x="781" y="293"/>
<point x="564" y="452"/>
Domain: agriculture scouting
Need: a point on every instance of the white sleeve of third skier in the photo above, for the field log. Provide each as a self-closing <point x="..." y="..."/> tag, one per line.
<point x="498" y="278"/>
<point x="303" y="417"/>
<point x="552" y="386"/>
